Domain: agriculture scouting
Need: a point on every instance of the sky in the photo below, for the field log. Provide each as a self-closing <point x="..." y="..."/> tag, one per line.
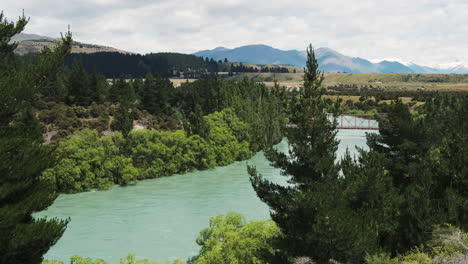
<point x="428" y="32"/>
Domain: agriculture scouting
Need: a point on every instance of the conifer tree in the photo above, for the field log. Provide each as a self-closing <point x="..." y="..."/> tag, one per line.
<point x="311" y="162"/>
<point x="98" y="87"/>
<point x="197" y="124"/>
<point x="123" y="120"/>
<point x="157" y="94"/>
<point x="122" y="91"/>
<point x="79" y="90"/>
<point x="24" y="239"/>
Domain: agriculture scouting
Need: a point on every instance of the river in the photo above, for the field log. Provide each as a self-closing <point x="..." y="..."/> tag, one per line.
<point x="161" y="218"/>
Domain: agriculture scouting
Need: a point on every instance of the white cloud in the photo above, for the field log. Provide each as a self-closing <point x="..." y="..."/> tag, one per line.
<point x="423" y="31"/>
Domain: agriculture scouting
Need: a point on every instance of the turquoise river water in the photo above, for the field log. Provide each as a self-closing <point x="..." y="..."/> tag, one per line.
<point x="161" y="218"/>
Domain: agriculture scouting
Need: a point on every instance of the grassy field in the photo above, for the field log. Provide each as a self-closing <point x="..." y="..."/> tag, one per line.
<point x="355" y="99"/>
<point x="178" y="82"/>
<point x="391" y="81"/>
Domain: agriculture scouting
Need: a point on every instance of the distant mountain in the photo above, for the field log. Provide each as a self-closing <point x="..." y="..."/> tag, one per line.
<point x="32" y="43"/>
<point x="329" y="60"/>
<point x="392" y="67"/>
<point x="257" y="54"/>
<point x="457" y="68"/>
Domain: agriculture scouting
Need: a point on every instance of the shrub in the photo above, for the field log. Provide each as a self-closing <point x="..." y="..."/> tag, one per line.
<point x="381" y="258"/>
<point x="230" y="239"/>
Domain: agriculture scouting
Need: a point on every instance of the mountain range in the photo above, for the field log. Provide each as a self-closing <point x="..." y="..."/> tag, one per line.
<point x="329" y="60"/>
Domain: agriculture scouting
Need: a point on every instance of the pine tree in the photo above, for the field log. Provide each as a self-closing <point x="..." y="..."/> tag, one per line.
<point x="24" y="239"/>
<point x="98" y="87"/>
<point x="79" y="86"/>
<point x="123" y="120"/>
<point x="311" y="162"/>
<point x="122" y="91"/>
<point x="197" y="124"/>
<point x="157" y="94"/>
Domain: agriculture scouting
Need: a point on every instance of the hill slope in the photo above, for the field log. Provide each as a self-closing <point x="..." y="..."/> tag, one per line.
<point x="32" y="43"/>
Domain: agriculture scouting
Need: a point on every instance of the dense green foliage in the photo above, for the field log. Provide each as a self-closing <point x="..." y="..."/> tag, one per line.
<point x="260" y="107"/>
<point x="88" y="161"/>
<point x="24" y="239"/>
<point x="425" y="155"/>
<point x="230" y="240"/>
<point x="89" y="101"/>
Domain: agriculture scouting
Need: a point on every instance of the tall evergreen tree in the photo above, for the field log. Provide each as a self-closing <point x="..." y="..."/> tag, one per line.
<point x="157" y="94"/>
<point x="79" y="86"/>
<point x="98" y="87"/>
<point x="123" y="120"/>
<point x="197" y="124"/>
<point x="311" y="162"/>
<point x="122" y="91"/>
<point x="24" y="239"/>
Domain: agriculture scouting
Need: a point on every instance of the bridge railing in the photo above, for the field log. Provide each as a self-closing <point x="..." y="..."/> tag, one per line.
<point x="356" y="121"/>
<point x="363" y="122"/>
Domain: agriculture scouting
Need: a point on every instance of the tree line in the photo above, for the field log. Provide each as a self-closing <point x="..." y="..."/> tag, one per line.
<point x="114" y="64"/>
<point x="176" y="65"/>
<point x="242" y="68"/>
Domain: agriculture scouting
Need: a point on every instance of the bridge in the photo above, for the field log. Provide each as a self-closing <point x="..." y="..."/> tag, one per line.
<point x="360" y="122"/>
<point x="352" y="121"/>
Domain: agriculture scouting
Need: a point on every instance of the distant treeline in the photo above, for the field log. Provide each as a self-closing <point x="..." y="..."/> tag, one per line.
<point x="113" y="64"/>
<point x="242" y="68"/>
<point x="380" y="78"/>
<point x="384" y="94"/>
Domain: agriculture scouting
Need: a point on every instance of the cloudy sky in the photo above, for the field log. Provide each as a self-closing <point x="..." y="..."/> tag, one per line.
<point x="424" y="31"/>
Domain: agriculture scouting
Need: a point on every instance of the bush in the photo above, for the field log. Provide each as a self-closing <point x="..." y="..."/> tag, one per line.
<point x="381" y="258"/>
<point x="449" y="245"/>
<point x="88" y="161"/>
<point x="231" y="240"/>
<point x="417" y="257"/>
<point x="98" y="110"/>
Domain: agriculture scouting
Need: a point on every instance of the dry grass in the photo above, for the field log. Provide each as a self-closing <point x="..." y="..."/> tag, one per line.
<point x="178" y="82"/>
<point x="389" y="81"/>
